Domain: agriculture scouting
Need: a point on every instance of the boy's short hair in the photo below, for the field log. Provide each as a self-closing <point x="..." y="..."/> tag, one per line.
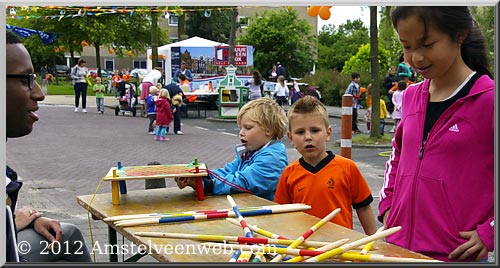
<point x="267" y="114"/>
<point x="153" y="90"/>
<point x="355" y="75"/>
<point x="308" y="105"/>
<point x="402" y="85"/>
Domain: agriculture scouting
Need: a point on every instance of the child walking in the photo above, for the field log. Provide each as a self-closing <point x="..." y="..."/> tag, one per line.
<point x="383" y="114"/>
<point x="260" y="158"/>
<point x="99" y="90"/>
<point x="320" y="178"/>
<point x="397" y="100"/>
<point x="368" y="112"/>
<point x="151" y="100"/>
<point x="164" y="115"/>
<point x="439" y="181"/>
<point x="281" y="91"/>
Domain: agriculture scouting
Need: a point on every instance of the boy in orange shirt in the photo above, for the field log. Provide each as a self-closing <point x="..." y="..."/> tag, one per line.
<point x="321" y="179"/>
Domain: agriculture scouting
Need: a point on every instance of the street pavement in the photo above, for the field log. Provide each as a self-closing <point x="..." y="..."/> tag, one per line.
<point x="68" y="153"/>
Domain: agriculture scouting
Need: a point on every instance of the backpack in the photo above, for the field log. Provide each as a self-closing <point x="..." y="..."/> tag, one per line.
<point x="74" y="71"/>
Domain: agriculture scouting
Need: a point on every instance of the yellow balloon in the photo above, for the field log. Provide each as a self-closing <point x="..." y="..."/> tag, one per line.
<point x="324" y="13"/>
<point x="313" y="11"/>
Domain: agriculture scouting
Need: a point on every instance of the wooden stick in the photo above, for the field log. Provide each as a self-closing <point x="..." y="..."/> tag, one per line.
<point x="369" y="245"/>
<point x="309" y="232"/>
<point x="223" y="238"/>
<point x="380" y="258"/>
<point x="208" y="211"/>
<point x="328" y="247"/>
<point x="354" y="244"/>
<point x="260" y="231"/>
<point x="245" y="256"/>
<point x="159" y="220"/>
<point x="268" y="249"/>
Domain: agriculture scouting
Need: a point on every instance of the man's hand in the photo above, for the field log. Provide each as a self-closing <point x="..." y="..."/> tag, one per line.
<point x="469" y="248"/>
<point x="24" y="216"/>
<point x="49" y="228"/>
<point x="183" y="182"/>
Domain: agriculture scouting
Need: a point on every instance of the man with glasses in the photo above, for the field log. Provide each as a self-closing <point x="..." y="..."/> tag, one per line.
<point x="27" y="225"/>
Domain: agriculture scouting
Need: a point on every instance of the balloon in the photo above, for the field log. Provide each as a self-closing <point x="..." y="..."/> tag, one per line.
<point x="324" y="13"/>
<point x="111" y="51"/>
<point x="313" y="11"/>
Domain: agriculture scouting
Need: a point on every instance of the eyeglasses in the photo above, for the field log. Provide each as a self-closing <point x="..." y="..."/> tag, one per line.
<point x="31" y="78"/>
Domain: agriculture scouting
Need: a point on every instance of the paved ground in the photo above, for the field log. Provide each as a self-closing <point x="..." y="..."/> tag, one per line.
<point x="68" y="153"/>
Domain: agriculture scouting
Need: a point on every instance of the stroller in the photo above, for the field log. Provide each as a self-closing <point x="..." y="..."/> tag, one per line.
<point x="127" y="100"/>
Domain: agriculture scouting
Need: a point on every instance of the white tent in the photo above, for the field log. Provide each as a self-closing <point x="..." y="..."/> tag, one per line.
<point x="166" y="50"/>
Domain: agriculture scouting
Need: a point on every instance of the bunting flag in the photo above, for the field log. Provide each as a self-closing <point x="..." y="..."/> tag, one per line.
<point x="46" y="37"/>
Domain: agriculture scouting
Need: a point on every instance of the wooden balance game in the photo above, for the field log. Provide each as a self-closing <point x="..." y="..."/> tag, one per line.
<point x="119" y="175"/>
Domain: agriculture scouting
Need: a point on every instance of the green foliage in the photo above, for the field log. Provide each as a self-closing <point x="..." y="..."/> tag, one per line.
<point x="121" y="31"/>
<point x="361" y="63"/>
<point x="280" y="36"/>
<point x="337" y="45"/>
<point x="216" y="27"/>
<point x="332" y="85"/>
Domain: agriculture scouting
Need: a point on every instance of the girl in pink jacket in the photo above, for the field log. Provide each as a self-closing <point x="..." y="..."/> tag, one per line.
<point x="439" y="180"/>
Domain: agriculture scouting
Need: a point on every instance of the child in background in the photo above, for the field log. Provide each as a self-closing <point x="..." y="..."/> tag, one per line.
<point x="368" y="112"/>
<point x="439" y="183"/>
<point x="164" y="115"/>
<point x="151" y="100"/>
<point x="99" y="89"/>
<point x="397" y="100"/>
<point x="383" y="114"/>
<point x="281" y="91"/>
<point x="260" y="158"/>
<point x="320" y="178"/>
<point x="116" y="79"/>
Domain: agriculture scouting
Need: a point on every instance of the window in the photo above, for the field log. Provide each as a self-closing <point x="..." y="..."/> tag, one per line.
<point x="173" y="20"/>
<point x="243" y="21"/>
<point x="109" y="64"/>
<point x="139" y="64"/>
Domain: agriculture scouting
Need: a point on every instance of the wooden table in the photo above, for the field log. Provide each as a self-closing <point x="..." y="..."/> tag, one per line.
<point x="290" y="225"/>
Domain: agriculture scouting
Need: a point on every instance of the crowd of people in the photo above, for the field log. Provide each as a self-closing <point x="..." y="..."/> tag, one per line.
<point x="446" y="210"/>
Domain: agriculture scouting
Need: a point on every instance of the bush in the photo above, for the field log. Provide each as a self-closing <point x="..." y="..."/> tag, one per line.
<point x="332" y="85"/>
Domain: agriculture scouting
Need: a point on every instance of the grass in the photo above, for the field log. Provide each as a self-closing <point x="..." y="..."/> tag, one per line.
<point x="66" y="88"/>
<point x="366" y="139"/>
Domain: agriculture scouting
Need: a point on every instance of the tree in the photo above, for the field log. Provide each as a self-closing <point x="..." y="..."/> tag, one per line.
<point x="388" y="36"/>
<point x="337" y="45"/>
<point x="280" y="36"/>
<point x="361" y="63"/>
<point x="93" y="28"/>
<point x="214" y="27"/>
<point x="374" y="64"/>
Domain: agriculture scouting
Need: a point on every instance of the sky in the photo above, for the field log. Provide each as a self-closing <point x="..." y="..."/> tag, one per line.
<point x="340" y="14"/>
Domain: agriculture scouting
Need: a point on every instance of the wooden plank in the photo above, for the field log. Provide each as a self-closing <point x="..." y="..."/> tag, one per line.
<point x="174" y="199"/>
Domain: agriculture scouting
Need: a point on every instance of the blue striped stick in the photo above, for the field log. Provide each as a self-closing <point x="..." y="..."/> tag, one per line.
<point x="242" y="221"/>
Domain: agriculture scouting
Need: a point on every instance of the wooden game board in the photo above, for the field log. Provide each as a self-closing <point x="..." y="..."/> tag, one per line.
<point x="155" y="172"/>
<point x="120" y="175"/>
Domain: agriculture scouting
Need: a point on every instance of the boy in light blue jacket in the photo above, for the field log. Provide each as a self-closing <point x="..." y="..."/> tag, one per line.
<point x="260" y="158"/>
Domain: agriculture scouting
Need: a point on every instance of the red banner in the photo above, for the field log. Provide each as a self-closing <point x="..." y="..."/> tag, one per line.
<point x="222" y="56"/>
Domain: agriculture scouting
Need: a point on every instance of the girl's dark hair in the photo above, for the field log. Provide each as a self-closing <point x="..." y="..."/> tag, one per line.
<point x="453" y="21"/>
<point x="256" y="78"/>
<point x="12" y="38"/>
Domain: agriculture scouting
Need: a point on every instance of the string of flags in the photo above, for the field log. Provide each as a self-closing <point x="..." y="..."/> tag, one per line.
<point x="73" y="12"/>
<point x="46" y="37"/>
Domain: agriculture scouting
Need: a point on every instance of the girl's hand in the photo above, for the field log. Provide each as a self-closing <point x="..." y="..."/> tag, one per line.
<point x="469" y="248"/>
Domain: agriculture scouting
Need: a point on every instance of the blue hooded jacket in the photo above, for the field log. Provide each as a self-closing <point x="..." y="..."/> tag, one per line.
<point x="259" y="174"/>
